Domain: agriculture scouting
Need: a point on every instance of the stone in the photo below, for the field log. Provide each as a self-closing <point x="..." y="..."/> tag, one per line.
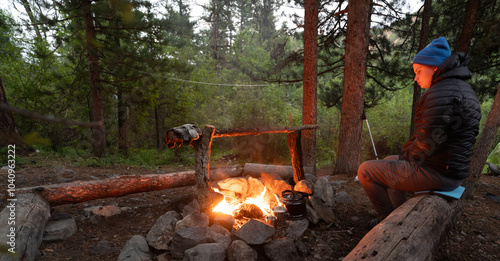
<point x="343" y="197"/>
<point x="107" y="211"/>
<point x="312" y="215"/>
<point x="187" y="238"/>
<point x="323" y="210"/>
<point x="305" y="186"/>
<point x="104" y="247"/>
<point x="163" y="230"/>
<point x="255" y="232"/>
<point x="311" y="177"/>
<point x="136" y="249"/>
<point x="225" y="220"/>
<point x="218" y="234"/>
<point x="240" y="251"/>
<point x="281" y="250"/>
<point x="192" y="208"/>
<point x="324" y="191"/>
<point x="206" y="252"/>
<point x="59" y="230"/>
<point x="193" y="220"/>
<point x="296" y="228"/>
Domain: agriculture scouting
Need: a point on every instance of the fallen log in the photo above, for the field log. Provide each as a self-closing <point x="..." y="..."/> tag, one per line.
<point x="23" y="222"/>
<point x="285" y="172"/>
<point x="411" y="232"/>
<point x="81" y="191"/>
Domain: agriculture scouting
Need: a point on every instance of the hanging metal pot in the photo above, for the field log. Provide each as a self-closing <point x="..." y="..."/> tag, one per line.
<point x="295" y="203"/>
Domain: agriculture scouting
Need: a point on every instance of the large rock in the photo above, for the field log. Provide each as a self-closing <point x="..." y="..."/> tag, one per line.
<point x="206" y="252"/>
<point x="193" y="220"/>
<point x="218" y="234"/>
<point x="255" y="232"/>
<point x="192" y="208"/>
<point x="323" y="210"/>
<point x="104" y="247"/>
<point x="161" y="233"/>
<point x="296" y="228"/>
<point x="281" y="250"/>
<point x="59" y="230"/>
<point x="136" y="249"/>
<point x="240" y="251"/>
<point x="187" y="238"/>
<point x="324" y="191"/>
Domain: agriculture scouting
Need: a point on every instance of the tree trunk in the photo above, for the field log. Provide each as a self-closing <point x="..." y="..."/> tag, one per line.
<point x="351" y="124"/>
<point x="98" y="133"/>
<point x="468" y="26"/>
<point x="309" y="104"/>
<point x="27" y="7"/>
<point x="426" y="15"/>
<point x="81" y="191"/>
<point x="122" y="122"/>
<point x="483" y="147"/>
<point x="9" y="134"/>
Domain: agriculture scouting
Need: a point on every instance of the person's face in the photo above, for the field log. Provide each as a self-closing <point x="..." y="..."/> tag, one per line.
<point x="423" y="75"/>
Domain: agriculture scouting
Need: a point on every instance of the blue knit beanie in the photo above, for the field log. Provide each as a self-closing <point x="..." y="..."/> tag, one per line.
<point x="434" y="54"/>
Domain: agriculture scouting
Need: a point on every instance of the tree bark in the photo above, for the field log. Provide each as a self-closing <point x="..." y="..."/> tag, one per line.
<point x="411" y="232"/>
<point x="468" y="26"/>
<point x="98" y="133"/>
<point x="309" y="103"/>
<point x="202" y="148"/>
<point x="426" y="15"/>
<point x="483" y="147"/>
<point x="295" y="148"/>
<point x="351" y="124"/>
<point x="31" y="215"/>
<point x="122" y="122"/>
<point x="81" y="191"/>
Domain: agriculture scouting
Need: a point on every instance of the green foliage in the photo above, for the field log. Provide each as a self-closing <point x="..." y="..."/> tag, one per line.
<point x="157" y="73"/>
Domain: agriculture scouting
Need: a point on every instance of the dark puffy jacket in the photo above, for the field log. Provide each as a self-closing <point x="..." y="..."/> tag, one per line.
<point x="446" y="121"/>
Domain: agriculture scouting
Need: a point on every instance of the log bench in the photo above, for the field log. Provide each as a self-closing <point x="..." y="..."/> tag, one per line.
<point x="411" y="232"/>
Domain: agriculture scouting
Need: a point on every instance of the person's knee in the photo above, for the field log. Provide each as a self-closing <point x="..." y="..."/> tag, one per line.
<point x="363" y="171"/>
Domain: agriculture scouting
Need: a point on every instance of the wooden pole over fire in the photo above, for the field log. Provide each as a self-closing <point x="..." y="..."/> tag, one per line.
<point x="202" y="148"/>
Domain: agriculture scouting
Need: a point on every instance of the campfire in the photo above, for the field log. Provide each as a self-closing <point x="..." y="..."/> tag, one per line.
<point x="244" y="199"/>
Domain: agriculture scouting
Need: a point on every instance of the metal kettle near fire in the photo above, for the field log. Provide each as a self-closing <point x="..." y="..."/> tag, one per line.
<point x="295" y="203"/>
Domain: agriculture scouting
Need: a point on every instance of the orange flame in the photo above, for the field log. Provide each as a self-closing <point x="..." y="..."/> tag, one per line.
<point x="228" y="205"/>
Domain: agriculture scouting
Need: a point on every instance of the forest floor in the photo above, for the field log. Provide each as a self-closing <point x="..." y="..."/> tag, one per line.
<point x="476" y="236"/>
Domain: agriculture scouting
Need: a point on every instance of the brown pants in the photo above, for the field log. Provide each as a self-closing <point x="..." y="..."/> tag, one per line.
<point x="386" y="182"/>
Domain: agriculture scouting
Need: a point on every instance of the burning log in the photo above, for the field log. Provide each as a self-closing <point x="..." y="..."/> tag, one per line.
<point x="248" y="211"/>
<point x="295" y="147"/>
<point x="81" y="191"/>
<point x="412" y="231"/>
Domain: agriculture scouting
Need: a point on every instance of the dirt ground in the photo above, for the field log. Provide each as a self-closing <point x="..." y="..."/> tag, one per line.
<point x="475" y="237"/>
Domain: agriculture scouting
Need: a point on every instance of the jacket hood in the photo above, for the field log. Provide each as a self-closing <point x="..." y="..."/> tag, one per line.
<point x="453" y="67"/>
